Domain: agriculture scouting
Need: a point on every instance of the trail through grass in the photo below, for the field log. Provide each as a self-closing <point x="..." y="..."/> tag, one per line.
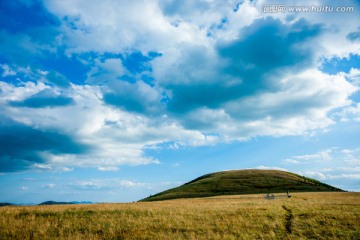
<point x="288" y="219"/>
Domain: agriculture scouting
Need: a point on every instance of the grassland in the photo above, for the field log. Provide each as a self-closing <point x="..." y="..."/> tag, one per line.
<point x="249" y="181"/>
<point x="304" y="216"/>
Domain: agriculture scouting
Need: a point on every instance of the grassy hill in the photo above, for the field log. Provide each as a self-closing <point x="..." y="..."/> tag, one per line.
<point x="243" y="182"/>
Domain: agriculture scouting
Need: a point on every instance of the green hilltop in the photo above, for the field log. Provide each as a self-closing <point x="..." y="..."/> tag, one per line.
<point x="250" y="181"/>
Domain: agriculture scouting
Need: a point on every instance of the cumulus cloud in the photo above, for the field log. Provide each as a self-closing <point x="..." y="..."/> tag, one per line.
<point x="109" y="168"/>
<point x="138" y="97"/>
<point x="44" y="98"/>
<point x="105" y="70"/>
<point x="354" y="76"/>
<point x="7" y="71"/>
<point x="115" y="183"/>
<point x="97" y="135"/>
<point x="329" y="176"/>
<point x="248" y="84"/>
<point x="21" y="145"/>
<point x="345" y="156"/>
<point x="343" y="173"/>
<point x="324" y="155"/>
<point x="335" y="166"/>
<point x="84" y="33"/>
<point x="97" y="92"/>
<point x="349" y="113"/>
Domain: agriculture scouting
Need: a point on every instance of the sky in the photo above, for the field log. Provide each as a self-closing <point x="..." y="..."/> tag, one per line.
<point x="113" y="101"/>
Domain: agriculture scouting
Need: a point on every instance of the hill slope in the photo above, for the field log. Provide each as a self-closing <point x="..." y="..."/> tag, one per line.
<point x="243" y="182"/>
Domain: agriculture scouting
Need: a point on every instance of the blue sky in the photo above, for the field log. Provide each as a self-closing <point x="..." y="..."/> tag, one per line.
<point x="111" y="101"/>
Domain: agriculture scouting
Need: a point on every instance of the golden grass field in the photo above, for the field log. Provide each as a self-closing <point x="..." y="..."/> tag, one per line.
<point x="304" y="216"/>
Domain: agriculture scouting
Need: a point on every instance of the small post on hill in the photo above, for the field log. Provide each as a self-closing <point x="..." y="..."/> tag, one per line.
<point x="288" y="194"/>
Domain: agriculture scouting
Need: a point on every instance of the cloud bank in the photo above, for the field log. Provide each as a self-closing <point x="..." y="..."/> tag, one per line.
<point x="93" y="84"/>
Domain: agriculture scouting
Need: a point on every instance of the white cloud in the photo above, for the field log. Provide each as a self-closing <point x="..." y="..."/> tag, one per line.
<point x="314" y="174"/>
<point x="105" y="71"/>
<point x="290" y="160"/>
<point x="116" y="137"/>
<point x="173" y="20"/>
<point x="88" y="185"/>
<point x="108" y="168"/>
<point x="301" y="106"/>
<point x="7" y="71"/>
<point x="342" y="169"/>
<point x="262" y="167"/>
<point x="65" y="169"/>
<point x="11" y="93"/>
<point x="347" y="151"/>
<point x="116" y="184"/>
<point x="53" y="166"/>
<point x="345" y="164"/>
<point x="118" y="25"/>
<point x="344" y="156"/>
<point x="345" y="176"/>
<point x="354" y="76"/>
<point x="130" y="184"/>
<point x="349" y="113"/>
<point x="326" y="176"/>
<point x="42" y="166"/>
<point x="321" y="156"/>
<point x="50" y="185"/>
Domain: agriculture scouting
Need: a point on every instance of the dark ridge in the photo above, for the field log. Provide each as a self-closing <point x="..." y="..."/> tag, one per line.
<point x="55" y="203"/>
<point x="6" y="204"/>
<point x="64" y="203"/>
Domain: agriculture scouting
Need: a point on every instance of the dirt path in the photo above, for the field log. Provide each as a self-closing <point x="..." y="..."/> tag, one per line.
<point x="288" y="219"/>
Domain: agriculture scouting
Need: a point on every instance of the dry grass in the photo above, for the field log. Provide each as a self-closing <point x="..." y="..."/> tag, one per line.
<point x="304" y="216"/>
